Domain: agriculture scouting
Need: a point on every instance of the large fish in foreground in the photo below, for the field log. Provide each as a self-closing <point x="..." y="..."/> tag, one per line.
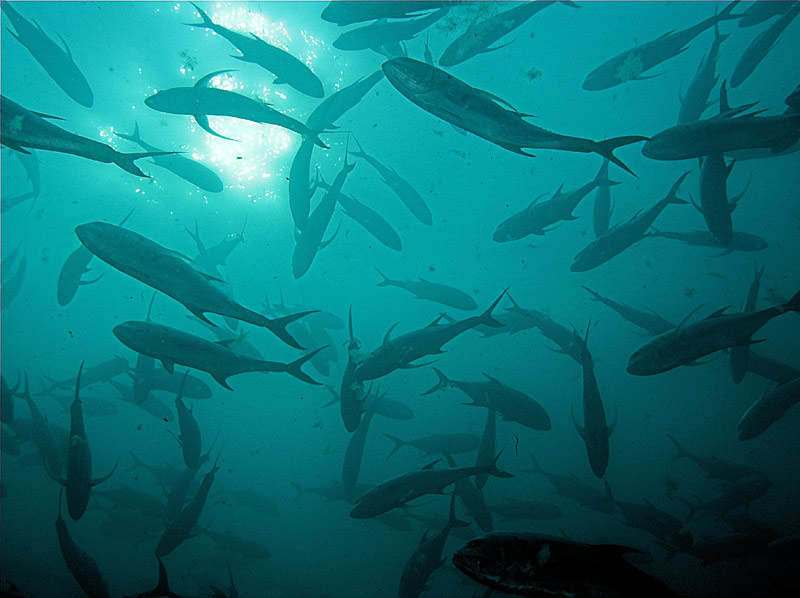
<point x="689" y="342"/>
<point x="21" y="128"/>
<point x="82" y="566"/>
<point x="286" y="68"/>
<point x="171" y="346"/>
<point x="169" y="272"/>
<point x="632" y="64"/>
<point x="538" y="565"/>
<point x="480" y="112"/>
<point x="56" y="61"/>
<point x="201" y="101"/>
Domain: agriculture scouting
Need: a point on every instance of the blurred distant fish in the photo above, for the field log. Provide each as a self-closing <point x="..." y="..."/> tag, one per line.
<point x="632" y="64"/>
<point x="387" y="407"/>
<point x="772" y="369"/>
<point x="82" y="566"/>
<point x="171" y="346"/>
<point x="58" y="62"/>
<point x="337" y="104"/>
<point x="432" y="291"/>
<point x="769" y="409"/>
<point x="351" y="390"/>
<point x="201" y="101"/>
<point x="702" y="238"/>
<point x="758" y="12"/>
<point x="30" y="163"/>
<point x="231" y="543"/>
<point x="189" y="170"/>
<point x="438" y="444"/>
<point x="12" y="279"/>
<point x="480" y="112"/>
<point x="689" y="342"/>
<point x="762" y="45"/>
<point x="162" y="587"/>
<point x="21" y="128"/>
<point x="381" y="33"/>
<point x="102" y="372"/>
<point x="42" y="434"/>
<point x="573" y="488"/>
<point x="169" y="272"/>
<point x="601" y="214"/>
<point x="212" y="257"/>
<point x="738" y="357"/>
<point x="480" y="35"/>
<point x="353" y="455"/>
<point x="695" y="101"/>
<point x="649" y="321"/>
<point x="286" y="68"/>
<point x="300" y="188"/>
<point x="714" y="204"/>
<point x="347" y="13"/>
<point x="622" y="236"/>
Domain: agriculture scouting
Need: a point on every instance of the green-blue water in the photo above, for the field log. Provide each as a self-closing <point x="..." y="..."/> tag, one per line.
<point x="273" y="430"/>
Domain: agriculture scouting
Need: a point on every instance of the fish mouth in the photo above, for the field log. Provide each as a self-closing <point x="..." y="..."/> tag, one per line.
<point x="636" y="366"/>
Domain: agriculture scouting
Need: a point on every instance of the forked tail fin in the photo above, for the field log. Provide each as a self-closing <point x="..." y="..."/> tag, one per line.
<point x="606" y="148"/>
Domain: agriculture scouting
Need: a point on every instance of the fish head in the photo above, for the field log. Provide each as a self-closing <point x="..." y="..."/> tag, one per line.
<point x="178" y="100"/>
<point x="501" y="559"/>
<point x="95" y="235"/>
<point x="135" y="335"/>
<point x="409" y="76"/>
<point x="652" y="358"/>
<point x="674" y="143"/>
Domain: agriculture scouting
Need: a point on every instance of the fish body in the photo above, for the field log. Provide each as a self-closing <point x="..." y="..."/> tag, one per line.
<point x="738" y="357"/>
<point x="69" y="277"/>
<point x="189" y="170"/>
<point x="337" y="104"/>
<point x="758" y="12"/>
<point x="622" y="236"/>
<point x="688" y="343"/>
<point x="169" y="272"/>
<point x="171" y="346"/>
<point x="383" y="33"/>
<point x="351" y="466"/>
<point x="702" y="238"/>
<point x="714" y="204"/>
<point x="575" y="489"/>
<point x="286" y="68"/>
<point x="654" y="521"/>
<point x="695" y="102"/>
<point x="438" y="444"/>
<point x="715" y="467"/>
<point x="761" y="46"/>
<point x="769" y="409"/>
<point x="632" y="64"/>
<point x="741" y="493"/>
<point x="42" y="434"/>
<point x="102" y="372"/>
<point x="480" y="112"/>
<point x="201" y="101"/>
<point x="22" y="129"/>
<point x="189" y="438"/>
<point x="432" y="291"/>
<point x="56" y="61"/>
<point x="351" y="391"/>
<point x="772" y="369"/>
<point x="232" y="543"/>
<point x="601" y="212"/>
<point x="82" y="566"/>
<point x="300" y="190"/>
<point x="649" y="321"/>
<point x="347" y="13"/>
<point x="373" y="223"/>
<point x="539" y="565"/>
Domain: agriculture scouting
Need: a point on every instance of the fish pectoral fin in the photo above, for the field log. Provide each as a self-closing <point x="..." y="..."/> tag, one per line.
<point x="168" y="364"/>
<point x="222" y="379"/>
<point x="581" y="430"/>
<point x="96" y="481"/>
<point x="202" y="120"/>
<point x="92" y="281"/>
<point x="201" y="316"/>
<point x="500" y="47"/>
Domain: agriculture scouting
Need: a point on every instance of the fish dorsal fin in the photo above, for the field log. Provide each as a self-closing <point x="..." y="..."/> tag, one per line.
<point x="226" y="343"/>
<point x="169" y="365"/>
<point x="430" y="465"/>
<point x="387" y="337"/>
<point x="686" y="317"/>
<point x="204" y="81"/>
<point x="435" y="322"/>
<point x="717" y="313"/>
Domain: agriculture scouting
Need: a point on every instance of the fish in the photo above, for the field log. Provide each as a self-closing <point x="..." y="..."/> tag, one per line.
<point x="595" y="431"/>
<point x="162" y="587"/>
<point x="649" y="321"/>
<point x="741" y="493"/>
<point x="601" y="213"/>
<point x="625" y="234"/>
<point x="480" y="35"/>
<point x="169" y="272"/>
<point x="57" y="62"/>
<point x="403" y="350"/>
<point x="758" y="12"/>
<point x="151" y="405"/>
<point x="695" y="101"/>
<point x="22" y="129"/>
<point x="30" y="163"/>
<point x="171" y="346"/>
<point x="194" y="388"/>
<point x="300" y="190"/>
<point x="335" y="106"/>
<point x="191" y="171"/>
<point x="382" y="33"/>
<point x="772" y="369"/>
<point x="401" y="187"/>
<point x="535" y="219"/>
<point x="231" y="543"/>
<point x="79" y="482"/>
<point x="12" y="283"/>
<point x="573" y="488"/>
<point x="7" y="401"/>
<point x="539" y="565"/>
<point x="333" y="492"/>
<point x="725" y="133"/>
<point x="714" y="204"/>
<point x="80" y="564"/>
<point x="438" y="444"/>
<point x="432" y="291"/>
<point x="715" y="467"/>
<point x="769" y="409"/>
<point x="758" y="49"/>
<point x="689" y="342"/>
<point x="514" y="509"/>
<point x="349" y="12"/>
<point x="480" y="112"/>
<point x="486" y="448"/>
<point x="287" y="69"/>
<point x="102" y="372"/>
<point x="202" y="100"/>
<point x="128" y="498"/>
<point x="179" y="529"/>
<point x="402" y="489"/>
<point x="738" y="357"/>
<point x="472" y="497"/>
<point x="165" y="475"/>
<point x="310" y="239"/>
<point x="702" y="238"/>
<point x="189" y="438"/>
<point x="632" y="64"/>
<point x="211" y="258"/>
<point x="178" y="492"/>
<point x="42" y="434"/>
<point x="351" y="466"/>
<point x="351" y="390"/>
<point x="71" y="273"/>
<point x="387" y="407"/>
<point x="427" y="557"/>
<point x="656" y="522"/>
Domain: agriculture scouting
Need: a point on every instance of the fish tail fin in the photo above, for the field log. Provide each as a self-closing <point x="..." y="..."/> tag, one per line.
<point x="496" y="471"/>
<point x="451" y="520"/>
<point x="293" y="368"/>
<point x="131" y="136"/>
<point x="726" y="12"/>
<point x="385" y="282"/>
<point x="441" y="384"/>
<point x="207" y="22"/>
<point x="487" y="318"/>
<point x="793" y="304"/>
<point x="595" y="295"/>
<point x="601" y="179"/>
<point x="606" y="148"/>
<point x="126" y="161"/>
<point x="398" y="444"/>
<point x="682" y="452"/>
<point x="277" y="326"/>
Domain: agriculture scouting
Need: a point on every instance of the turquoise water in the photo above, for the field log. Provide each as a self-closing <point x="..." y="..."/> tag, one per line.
<point x="273" y="430"/>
